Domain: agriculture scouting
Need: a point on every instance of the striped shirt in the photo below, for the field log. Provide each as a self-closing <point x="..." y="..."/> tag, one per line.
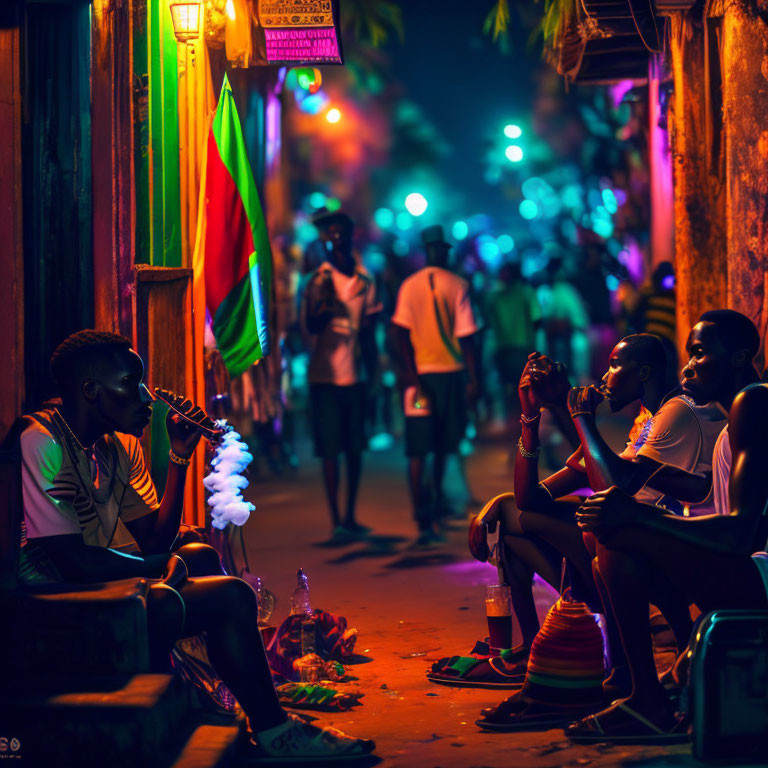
<point x="68" y="490"/>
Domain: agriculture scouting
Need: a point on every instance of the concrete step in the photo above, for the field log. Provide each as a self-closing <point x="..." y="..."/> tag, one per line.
<point x="133" y="725"/>
<point x="211" y="746"/>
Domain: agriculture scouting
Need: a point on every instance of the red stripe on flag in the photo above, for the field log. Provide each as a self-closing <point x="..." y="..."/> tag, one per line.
<point x="228" y="237"/>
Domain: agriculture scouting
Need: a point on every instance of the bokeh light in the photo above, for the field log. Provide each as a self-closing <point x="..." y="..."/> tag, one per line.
<point x="416" y="204"/>
<point x="609" y="201"/>
<point x="333" y="115"/>
<point x="488" y="250"/>
<point x="404" y="221"/>
<point x="401" y="247"/>
<point x="312" y="104"/>
<point x="505" y="243"/>
<point x="333" y="204"/>
<point x="460" y="230"/>
<point x="317" y="200"/>
<point x="529" y="210"/>
<point x="384" y="218"/>
<point x="513" y="131"/>
<point x="513" y="153"/>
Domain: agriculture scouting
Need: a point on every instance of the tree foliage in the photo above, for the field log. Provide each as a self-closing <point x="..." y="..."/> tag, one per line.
<point x="372" y="21"/>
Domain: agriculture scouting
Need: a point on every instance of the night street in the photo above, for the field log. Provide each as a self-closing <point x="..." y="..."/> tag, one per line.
<point x="410" y="609"/>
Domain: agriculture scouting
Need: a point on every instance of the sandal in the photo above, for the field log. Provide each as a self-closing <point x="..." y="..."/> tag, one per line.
<point x="479" y="672"/>
<point x="519" y="713"/>
<point x="297" y="742"/>
<point x="484" y="650"/>
<point x="621" y="724"/>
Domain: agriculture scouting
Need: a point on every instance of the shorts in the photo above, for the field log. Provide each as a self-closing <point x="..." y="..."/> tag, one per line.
<point x="338" y="418"/>
<point x="442" y="430"/>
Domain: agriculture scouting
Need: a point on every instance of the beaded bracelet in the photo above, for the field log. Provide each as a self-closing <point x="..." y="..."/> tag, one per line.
<point x="527" y="454"/>
<point x="178" y="459"/>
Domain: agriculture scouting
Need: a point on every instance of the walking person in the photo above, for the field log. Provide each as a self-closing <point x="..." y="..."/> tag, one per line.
<point x="338" y="301"/>
<point x="434" y="325"/>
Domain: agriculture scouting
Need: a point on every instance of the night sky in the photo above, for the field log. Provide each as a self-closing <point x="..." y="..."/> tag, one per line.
<point x="465" y="85"/>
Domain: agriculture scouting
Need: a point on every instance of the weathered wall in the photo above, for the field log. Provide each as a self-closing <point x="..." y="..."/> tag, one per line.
<point x="745" y="107"/>
<point x="700" y="236"/>
<point x="11" y="261"/>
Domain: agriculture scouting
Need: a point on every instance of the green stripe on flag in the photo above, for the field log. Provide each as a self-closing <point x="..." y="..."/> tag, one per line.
<point x="235" y="327"/>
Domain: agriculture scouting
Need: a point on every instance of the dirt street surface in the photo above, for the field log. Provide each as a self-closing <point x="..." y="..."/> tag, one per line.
<point x="410" y="609"/>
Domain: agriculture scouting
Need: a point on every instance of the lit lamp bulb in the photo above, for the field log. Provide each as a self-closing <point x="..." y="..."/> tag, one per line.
<point x="333" y="115"/>
<point x="185" y="17"/>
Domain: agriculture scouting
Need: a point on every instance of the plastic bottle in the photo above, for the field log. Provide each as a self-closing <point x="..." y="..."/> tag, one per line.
<point x="300" y="599"/>
<point x="300" y="606"/>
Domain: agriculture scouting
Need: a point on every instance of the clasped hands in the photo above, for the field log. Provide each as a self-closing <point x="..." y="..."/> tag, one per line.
<point x="606" y="511"/>
<point x="543" y="383"/>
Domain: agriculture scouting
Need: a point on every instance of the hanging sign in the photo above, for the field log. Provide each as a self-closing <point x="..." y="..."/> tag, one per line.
<point x="301" y="31"/>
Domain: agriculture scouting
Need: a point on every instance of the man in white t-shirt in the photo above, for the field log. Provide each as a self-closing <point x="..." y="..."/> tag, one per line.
<point x="707" y="558"/>
<point x="90" y="504"/>
<point x="434" y="324"/>
<point x="338" y="302"/>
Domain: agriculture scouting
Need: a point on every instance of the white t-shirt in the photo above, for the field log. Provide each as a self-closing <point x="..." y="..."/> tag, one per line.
<point x="335" y="353"/>
<point x="66" y="490"/>
<point x="721" y="472"/>
<point x="433" y="304"/>
<point x="683" y="435"/>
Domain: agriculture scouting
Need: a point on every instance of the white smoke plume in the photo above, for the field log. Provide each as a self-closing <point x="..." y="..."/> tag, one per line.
<point x="225" y="481"/>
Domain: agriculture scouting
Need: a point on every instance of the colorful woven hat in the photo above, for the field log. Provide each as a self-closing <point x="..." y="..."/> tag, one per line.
<point x="567" y="661"/>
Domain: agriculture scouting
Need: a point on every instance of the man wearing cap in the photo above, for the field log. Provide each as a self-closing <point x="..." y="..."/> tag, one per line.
<point x="434" y="324"/>
<point x="338" y="301"/>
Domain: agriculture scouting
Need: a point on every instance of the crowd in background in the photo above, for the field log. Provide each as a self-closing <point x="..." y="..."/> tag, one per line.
<point x="566" y="310"/>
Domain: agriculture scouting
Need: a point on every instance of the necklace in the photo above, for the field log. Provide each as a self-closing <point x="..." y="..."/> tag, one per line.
<point x="72" y="434"/>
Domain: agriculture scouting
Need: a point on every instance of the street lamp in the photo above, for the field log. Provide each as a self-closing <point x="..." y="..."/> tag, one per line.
<point x="186" y="20"/>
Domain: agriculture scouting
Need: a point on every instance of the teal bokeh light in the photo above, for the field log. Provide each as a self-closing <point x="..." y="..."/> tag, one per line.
<point x="404" y="221"/>
<point x="506" y="243"/>
<point x="529" y="210"/>
<point x="460" y="230"/>
<point x="384" y="218"/>
<point x="512" y="131"/>
<point x="513" y="153"/>
<point x="317" y="200"/>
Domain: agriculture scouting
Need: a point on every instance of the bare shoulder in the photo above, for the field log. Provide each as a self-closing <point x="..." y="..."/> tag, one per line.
<point x="749" y="412"/>
<point x="752" y="400"/>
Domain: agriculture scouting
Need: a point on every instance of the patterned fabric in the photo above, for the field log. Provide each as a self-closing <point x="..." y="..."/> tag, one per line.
<point x="68" y="489"/>
<point x="322" y="633"/>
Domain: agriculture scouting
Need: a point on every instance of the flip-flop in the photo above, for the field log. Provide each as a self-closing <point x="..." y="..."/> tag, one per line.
<point x="483" y="650"/>
<point x="471" y="672"/>
<point x="519" y="713"/>
<point x="632" y="728"/>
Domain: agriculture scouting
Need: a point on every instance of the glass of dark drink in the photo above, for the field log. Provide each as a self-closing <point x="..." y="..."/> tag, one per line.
<point x="498" y="610"/>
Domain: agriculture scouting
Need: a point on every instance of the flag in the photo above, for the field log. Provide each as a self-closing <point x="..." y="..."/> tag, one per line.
<point x="238" y="261"/>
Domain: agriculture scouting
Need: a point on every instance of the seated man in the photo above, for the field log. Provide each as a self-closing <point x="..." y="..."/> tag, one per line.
<point x="91" y="514"/>
<point x="538" y="521"/>
<point x="708" y="558"/>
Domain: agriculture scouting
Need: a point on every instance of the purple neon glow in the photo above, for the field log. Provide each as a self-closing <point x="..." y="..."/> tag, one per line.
<point x="619" y="91"/>
<point x="273" y="133"/>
